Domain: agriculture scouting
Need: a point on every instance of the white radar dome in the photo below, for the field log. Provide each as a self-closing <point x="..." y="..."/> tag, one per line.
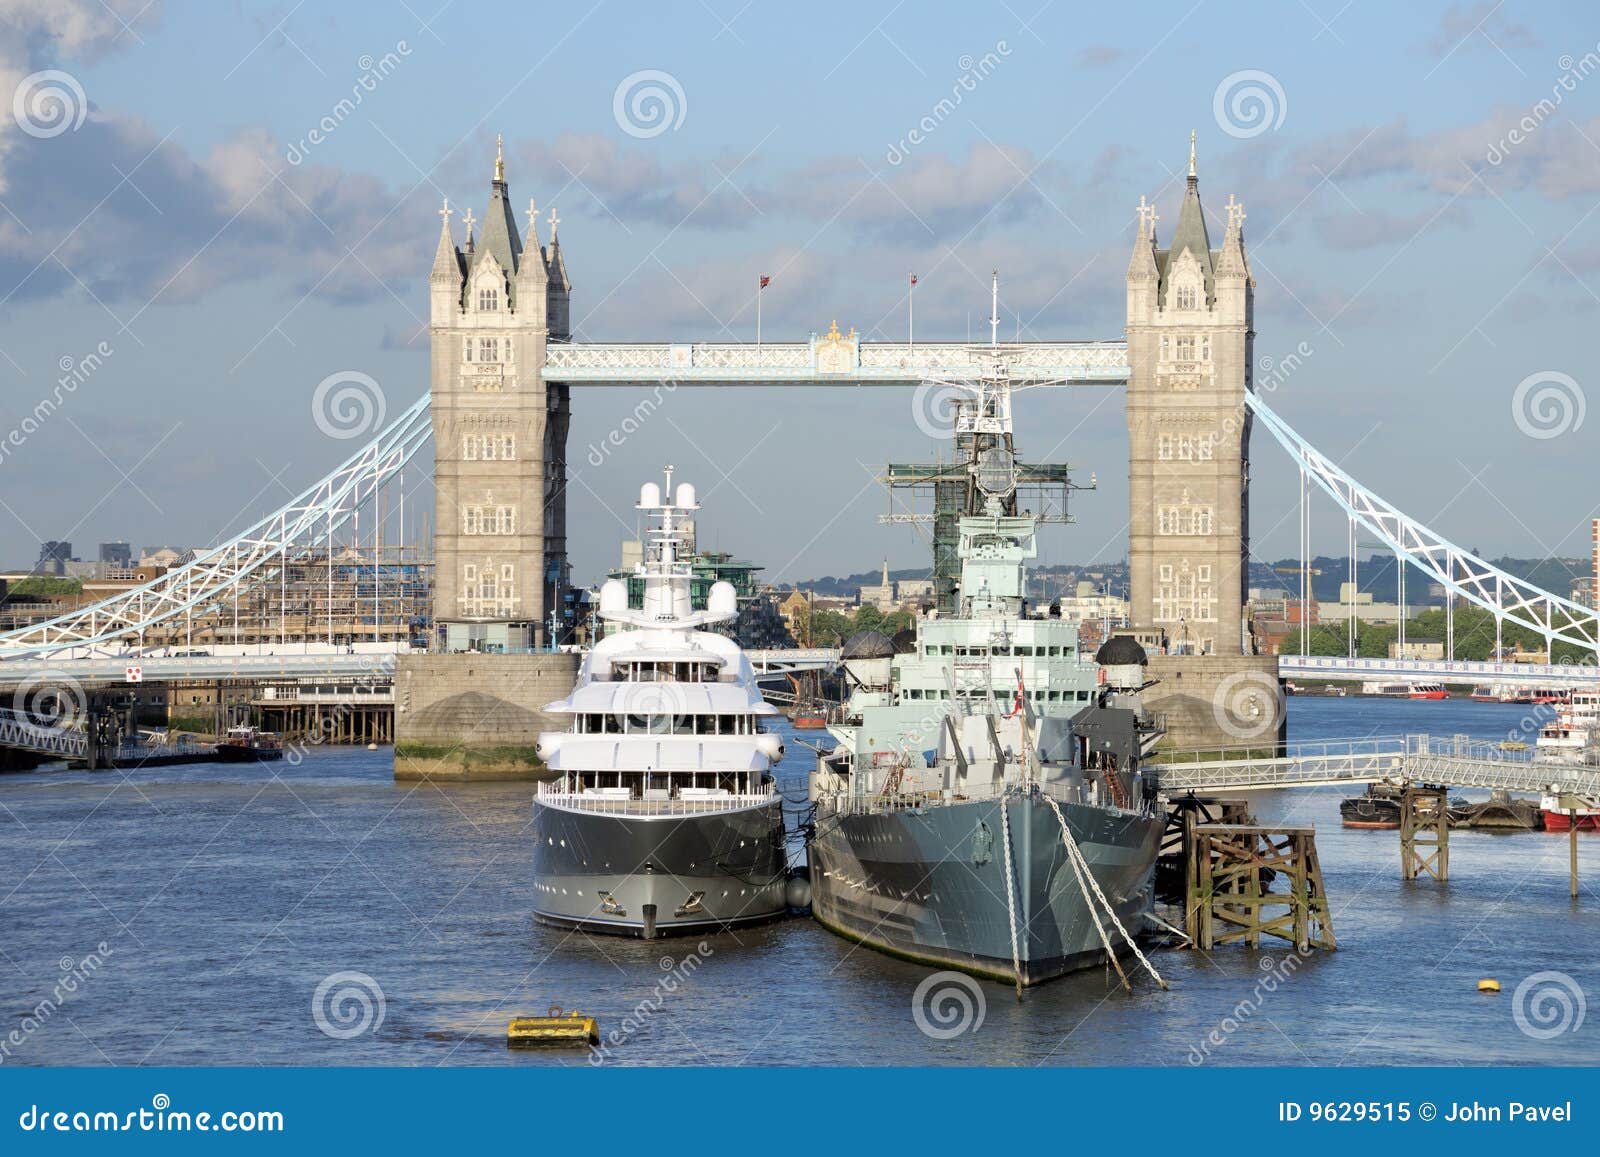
<point x="722" y="600"/>
<point x="686" y="497"/>
<point x="649" y="495"/>
<point x="613" y="597"/>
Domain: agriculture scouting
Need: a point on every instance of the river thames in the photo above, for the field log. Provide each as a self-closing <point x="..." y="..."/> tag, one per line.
<point x="323" y="914"/>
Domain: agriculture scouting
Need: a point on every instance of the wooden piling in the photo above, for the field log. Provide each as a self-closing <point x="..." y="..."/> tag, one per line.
<point x="1424" y="833"/>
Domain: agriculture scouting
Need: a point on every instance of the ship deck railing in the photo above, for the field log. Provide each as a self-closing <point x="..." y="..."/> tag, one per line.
<point x="864" y="803"/>
<point x="589" y="801"/>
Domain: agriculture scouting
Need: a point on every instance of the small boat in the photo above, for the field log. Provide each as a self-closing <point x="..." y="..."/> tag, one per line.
<point x="1485" y="693"/>
<point x="247" y="745"/>
<point x="810" y="719"/>
<point x="1558" y="819"/>
<point x="1379" y="809"/>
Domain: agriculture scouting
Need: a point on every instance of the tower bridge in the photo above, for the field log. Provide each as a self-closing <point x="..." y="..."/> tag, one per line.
<point x="503" y="368"/>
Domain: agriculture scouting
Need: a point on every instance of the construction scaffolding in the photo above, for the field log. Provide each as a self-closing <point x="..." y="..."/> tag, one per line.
<point x="355" y="594"/>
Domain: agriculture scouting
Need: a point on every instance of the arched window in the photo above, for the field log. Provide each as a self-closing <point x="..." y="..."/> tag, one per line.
<point x="488" y="299"/>
<point x="1186" y="297"/>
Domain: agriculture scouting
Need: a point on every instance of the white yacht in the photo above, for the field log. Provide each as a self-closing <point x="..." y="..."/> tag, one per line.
<point x="665" y="816"/>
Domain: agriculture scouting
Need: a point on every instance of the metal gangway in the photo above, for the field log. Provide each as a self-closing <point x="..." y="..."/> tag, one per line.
<point x="17" y="730"/>
<point x="1399" y="760"/>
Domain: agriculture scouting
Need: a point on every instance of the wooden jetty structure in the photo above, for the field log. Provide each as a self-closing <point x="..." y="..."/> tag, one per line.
<point x="1240" y="881"/>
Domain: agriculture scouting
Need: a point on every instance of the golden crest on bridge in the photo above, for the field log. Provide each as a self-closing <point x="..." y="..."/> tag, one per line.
<point x="835" y="352"/>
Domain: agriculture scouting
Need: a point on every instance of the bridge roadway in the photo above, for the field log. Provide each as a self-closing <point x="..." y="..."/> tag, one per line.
<point x="1453" y="761"/>
<point x="1560" y="675"/>
<point x="334" y="666"/>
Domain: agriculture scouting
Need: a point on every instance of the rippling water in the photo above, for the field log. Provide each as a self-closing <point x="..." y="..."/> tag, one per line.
<point x="227" y="894"/>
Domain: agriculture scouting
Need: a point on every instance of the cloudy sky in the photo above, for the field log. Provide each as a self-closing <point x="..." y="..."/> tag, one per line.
<point x="1421" y="186"/>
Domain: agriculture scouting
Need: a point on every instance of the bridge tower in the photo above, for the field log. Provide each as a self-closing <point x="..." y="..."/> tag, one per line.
<point x="1190" y="311"/>
<point x="1190" y="339"/>
<point x="499" y="431"/>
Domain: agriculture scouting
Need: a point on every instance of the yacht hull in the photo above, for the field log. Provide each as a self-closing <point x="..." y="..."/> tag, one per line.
<point x="631" y="875"/>
<point x="928" y="884"/>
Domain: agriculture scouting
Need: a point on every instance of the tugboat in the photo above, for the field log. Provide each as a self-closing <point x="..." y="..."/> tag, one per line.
<point x="244" y="744"/>
<point x="665" y="817"/>
<point x="1378" y="809"/>
<point x="1026" y="847"/>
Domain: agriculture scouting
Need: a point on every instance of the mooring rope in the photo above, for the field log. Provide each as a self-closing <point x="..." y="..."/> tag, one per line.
<point x="1011" y="893"/>
<point x="1081" y="865"/>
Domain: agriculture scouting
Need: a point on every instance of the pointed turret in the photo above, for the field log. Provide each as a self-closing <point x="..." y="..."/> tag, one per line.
<point x="532" y="279"/>
<point x="560" y="287"/>
<point x="448" y="274"/>
<point x="1190" y="235"/>
<point x="499" y="235"/>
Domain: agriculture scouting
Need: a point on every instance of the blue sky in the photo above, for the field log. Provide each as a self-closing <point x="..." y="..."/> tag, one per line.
<point x="1430" y="264"/>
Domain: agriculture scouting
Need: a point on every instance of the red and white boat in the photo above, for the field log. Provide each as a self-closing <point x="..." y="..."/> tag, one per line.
<point x="1556" y="819"/>
<point x="1406" y="690"/>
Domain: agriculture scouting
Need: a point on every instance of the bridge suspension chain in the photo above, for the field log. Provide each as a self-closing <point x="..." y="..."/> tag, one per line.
<point x="239" y="563"/>
<point x="1480" y="582"/>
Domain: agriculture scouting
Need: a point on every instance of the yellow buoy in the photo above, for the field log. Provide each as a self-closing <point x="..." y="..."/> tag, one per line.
<point x="1488" y="986"/>
<point x="555" y="1028"/>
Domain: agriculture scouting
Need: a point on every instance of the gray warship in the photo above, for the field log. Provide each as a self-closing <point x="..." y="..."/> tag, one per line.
<point x="665" y="816"/>
<point x="985" y="807"/>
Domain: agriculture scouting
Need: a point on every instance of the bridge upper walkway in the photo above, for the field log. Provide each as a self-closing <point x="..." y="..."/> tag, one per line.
<point x="1339" y="668"/>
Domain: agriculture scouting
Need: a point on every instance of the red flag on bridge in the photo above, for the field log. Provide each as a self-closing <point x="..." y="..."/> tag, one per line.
<point x="766" y="281"/>
<point x="913" y="279"/>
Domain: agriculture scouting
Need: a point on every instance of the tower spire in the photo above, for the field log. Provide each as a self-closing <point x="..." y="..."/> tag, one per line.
<point x="1192" y="175"/>
<point x="500" y="159"/>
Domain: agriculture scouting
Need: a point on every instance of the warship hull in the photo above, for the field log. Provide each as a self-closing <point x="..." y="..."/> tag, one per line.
<point x="928" y="884"/>
<point x="659" y="875"/>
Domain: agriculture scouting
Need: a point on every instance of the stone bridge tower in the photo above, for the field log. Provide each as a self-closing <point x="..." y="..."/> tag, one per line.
<point x="499" y="432"/>
<point x="1190" y="312"/>
<point x="1190" y="339"/>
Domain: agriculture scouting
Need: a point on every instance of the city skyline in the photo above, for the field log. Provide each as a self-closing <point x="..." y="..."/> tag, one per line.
<point x="1439" y="253"/>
